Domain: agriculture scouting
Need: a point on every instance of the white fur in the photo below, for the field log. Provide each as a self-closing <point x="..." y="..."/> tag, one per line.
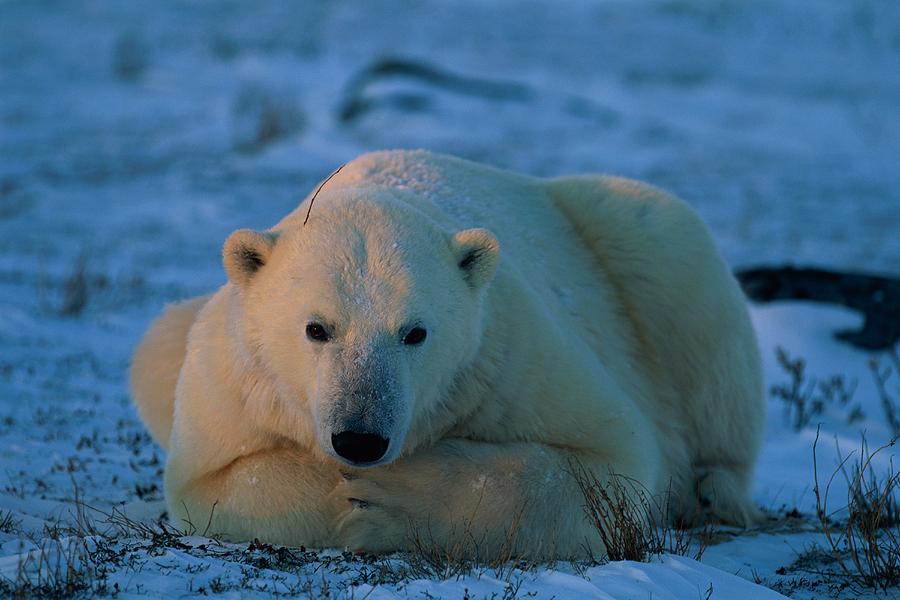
<point x="594" y="321"/>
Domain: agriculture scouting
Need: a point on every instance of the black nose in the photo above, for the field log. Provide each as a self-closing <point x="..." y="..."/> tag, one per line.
<point x="359" y="447"/>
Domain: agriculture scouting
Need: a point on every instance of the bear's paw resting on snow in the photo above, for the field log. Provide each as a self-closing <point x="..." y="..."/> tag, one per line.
<point x="437" y="345"/>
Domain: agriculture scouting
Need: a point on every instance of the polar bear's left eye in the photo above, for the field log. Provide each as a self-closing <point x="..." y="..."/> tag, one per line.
<point x="317" y="332"/>
<point x="415" y="336"/>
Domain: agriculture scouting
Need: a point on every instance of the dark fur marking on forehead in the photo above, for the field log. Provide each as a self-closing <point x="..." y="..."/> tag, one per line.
<point x="319" y="189"/>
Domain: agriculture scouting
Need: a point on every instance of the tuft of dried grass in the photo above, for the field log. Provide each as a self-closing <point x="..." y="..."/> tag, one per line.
<point x="632" y="523"/>
<point x="59" y="567"/>
<point x="461" y="551"/>
<point x="882" y="375"/>
<point x="75" y="289"/>
<point x="806" y="398"/>
<point x="8" y="523"/>
<point x="866" y="546"/>
<point x="264" y="115"/>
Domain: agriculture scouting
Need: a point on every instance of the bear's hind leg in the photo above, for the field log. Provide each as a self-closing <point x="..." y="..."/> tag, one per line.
<point x="721" y="495"/>
<point x="157" y="363"/>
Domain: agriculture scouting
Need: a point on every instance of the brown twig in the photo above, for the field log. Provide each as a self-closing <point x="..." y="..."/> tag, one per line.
<point x="209" y="522"/>
<point x="318" y="189"/>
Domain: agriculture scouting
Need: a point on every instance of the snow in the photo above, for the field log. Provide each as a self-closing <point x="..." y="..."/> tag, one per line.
<point x="135" y="137"/>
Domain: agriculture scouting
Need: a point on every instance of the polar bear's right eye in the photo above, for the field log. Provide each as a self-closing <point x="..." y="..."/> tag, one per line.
<point x="415" y="336"/>
<point x="317" y="332"/>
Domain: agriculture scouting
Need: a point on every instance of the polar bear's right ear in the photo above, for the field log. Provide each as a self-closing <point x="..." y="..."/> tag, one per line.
<point x="246" y="252"/>
<point x="477" y="254"/>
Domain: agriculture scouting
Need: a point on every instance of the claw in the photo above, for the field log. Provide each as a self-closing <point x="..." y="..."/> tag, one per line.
<point x="357" y="503"/>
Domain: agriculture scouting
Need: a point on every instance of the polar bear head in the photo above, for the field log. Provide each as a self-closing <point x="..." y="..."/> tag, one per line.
<point x="362" y="318"/>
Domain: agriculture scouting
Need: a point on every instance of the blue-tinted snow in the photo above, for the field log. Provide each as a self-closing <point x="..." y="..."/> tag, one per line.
<point x="135" y="136"/>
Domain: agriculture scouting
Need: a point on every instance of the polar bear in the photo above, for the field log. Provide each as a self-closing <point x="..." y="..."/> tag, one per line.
<point x="433" y="342"/>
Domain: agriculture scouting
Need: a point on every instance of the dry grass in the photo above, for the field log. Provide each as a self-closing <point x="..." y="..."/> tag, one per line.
<point x="71" y="293"/>
<point x="74" y="559"/>
<point x="129" y="57"/>
<point x="8" y="523"/>
<point x="631" y="522"/>
<point x="58" y="568"/>
<point x="462" y="551"/>
<point x="866" y="546"/>
<point x="75" y="289"/>
<point x="433" y="558"/>
<point x="882" y="375"/>
<point x="263" y="116"/>
<point x="805" y="398"/>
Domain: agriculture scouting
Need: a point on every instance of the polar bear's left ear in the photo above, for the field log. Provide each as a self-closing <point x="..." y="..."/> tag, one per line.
<point x="477" y="255"/>
<point x="246" y="252"/>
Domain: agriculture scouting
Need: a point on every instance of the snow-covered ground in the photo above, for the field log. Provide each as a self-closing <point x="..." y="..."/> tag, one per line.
<point x="135" y="136"/>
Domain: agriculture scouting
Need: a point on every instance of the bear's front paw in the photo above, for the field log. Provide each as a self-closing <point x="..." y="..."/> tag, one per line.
<point x="375" y="515"/>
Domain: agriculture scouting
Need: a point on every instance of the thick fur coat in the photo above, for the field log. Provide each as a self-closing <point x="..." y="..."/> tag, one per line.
<point x="473" y="333"/>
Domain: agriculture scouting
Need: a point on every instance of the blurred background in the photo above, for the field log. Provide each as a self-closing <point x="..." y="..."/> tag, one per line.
<point x="140" y="134"/>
